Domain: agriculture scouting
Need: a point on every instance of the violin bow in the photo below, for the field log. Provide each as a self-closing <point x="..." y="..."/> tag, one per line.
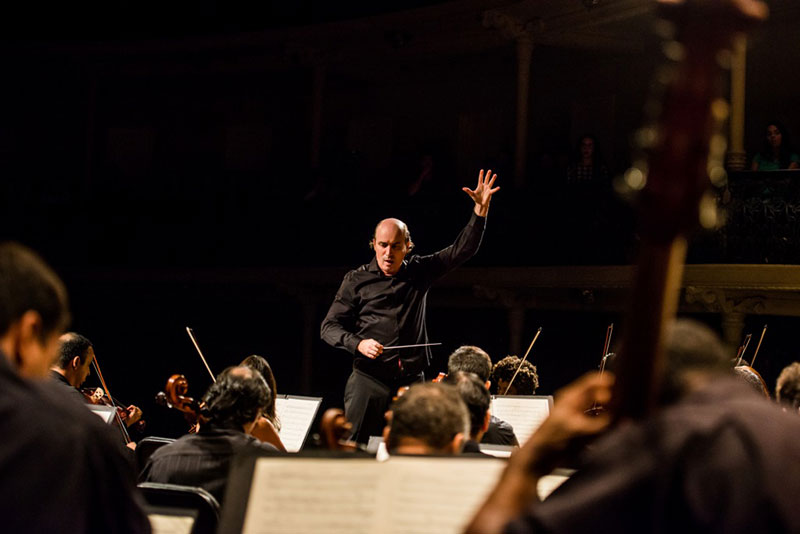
<point x="111" y="400"/>
<point x="196" y="346"/>
<point x="609" y="333"/>
<point x="743" y="349"/>
<point x="523" y="360"/>
<point x="764" y="331"/>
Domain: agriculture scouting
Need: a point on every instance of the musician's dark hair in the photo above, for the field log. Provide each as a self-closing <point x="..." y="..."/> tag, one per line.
<point x="785" y="151"/>
<point x="260" y="364"/>
<point x="72" y="345"/>
<point x="690" y="346"/>
<point x="527" y="379"/>
<point x="787" y="390"/>
<point x="429" y="412"/>
<point x="27" y="283"/>
<point x="474" y="394"/>
<point x="236" y="398"/>
<point x="470" y="359"/>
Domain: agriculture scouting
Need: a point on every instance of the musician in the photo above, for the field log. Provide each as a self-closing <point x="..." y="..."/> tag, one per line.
<point x="63" y="469"/>
<point x="260" y="364"/>
<point x="72" y="367"/>
<point x="73" y="364"/>
<point x="472" y="359"/>
<point x="268" y="426"/>
<point x="719" y="459"/>
<point x="382" y="303"/>
<point x="526" y="381"/>
<point x="477" y="399"/>
<point x="787" y="390"/>
<point x="427" y="419"/>
<point x="233" y="405"/>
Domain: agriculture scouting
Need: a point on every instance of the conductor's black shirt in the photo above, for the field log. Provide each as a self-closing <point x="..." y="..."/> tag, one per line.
<point x="391" y="309"/>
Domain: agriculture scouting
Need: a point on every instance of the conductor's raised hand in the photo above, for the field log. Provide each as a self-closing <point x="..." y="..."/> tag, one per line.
<point x="482" y="194"/>
<point x="370" y="348"/>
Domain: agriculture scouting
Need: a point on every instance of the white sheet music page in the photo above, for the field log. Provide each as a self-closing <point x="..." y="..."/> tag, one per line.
<point x="171" y="524"/>
<point x="525" y="414"/>
<point x="296" y="415"/>
<point x="313" y="495"/>
<point x="436" y="495"/>
<point x="408" y="495"/>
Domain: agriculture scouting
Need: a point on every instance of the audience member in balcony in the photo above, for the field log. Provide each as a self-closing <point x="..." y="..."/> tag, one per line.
<point x="526" y="381"/>
<point x="429" y="418"/>
<point x="787" y="391"/>
<point x="719" y="459"/>
<point x="777" y="153"/>
<point x="586" y="167"/>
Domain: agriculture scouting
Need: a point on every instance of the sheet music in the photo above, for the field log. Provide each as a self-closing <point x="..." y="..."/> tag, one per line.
<point x="436" y="495"/>
<point x="525" y="414"/>
<point x="338" y="496"/>
<point x="171" y="524"/>
<point x="296" y="415"/>
<point x="548" y="483"/>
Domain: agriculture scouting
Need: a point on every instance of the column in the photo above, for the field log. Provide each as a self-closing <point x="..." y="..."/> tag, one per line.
<point x="737" y="156"/>
<point x="318" y="87"/>
<point x="521" y="31"/>
<point x="524" y="54"/>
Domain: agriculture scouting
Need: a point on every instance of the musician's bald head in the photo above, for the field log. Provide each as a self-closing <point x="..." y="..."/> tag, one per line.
<point x="391" y="242"/>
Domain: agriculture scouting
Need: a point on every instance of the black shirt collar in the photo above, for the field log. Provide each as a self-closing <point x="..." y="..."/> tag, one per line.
<point x="373" y="268"/>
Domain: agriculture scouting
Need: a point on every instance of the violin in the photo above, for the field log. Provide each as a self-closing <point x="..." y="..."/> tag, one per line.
<point x="333" y="429"/>
<point x="680" y="152"/>
<point x="131" y="416"/>
<point x="174" y="396"/>
<point x="123" y="417"/>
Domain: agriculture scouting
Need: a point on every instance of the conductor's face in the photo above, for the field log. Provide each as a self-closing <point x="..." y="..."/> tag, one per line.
<point x="390" y="246"/>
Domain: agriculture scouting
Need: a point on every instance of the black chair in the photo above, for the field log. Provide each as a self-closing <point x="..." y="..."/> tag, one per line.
<point x="146" y="447"/>
<point x="182" y="501"/>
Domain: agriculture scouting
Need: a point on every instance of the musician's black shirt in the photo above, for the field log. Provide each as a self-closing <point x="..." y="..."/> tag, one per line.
<point x="201" y="459"/>
<point x="391" y="309"/>
<point x="724" y="459"/>
<point x="60" y="382"/>
<point x="61" y="468"/>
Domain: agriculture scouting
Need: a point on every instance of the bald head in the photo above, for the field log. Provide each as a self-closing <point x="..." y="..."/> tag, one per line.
<point x="391" y="242"/>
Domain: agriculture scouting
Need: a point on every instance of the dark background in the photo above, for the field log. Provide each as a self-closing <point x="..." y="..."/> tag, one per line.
<point x="158" y="155"/>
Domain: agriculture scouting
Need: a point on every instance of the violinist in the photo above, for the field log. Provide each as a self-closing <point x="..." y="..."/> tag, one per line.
<point x="526" y="381"/>
<point x="717" y="458"/>
<point x="74" y="364"/>
<point x="63" y="469"/>
<point x="472" y="359"/>
<point x="382" y="303"/>
<point x="268" y="426"/>
<point x="231" y="408"/>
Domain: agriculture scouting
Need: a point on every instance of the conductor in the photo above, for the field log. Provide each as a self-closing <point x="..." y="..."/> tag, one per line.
<point x="382" y="304"/>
